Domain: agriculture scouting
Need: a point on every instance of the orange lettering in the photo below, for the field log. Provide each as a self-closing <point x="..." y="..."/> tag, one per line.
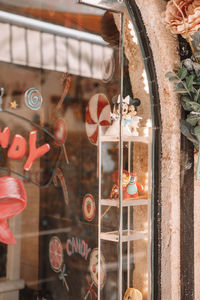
<point x="4" y="137"/>
<point x="34" y="152"/>
<point x="17" y="149"/>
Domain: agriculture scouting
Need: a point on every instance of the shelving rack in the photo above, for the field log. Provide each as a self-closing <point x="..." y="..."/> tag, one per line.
<point x="128" y="235"/>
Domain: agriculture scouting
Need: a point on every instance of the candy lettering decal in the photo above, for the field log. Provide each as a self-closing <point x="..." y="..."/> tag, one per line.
<point x="17" y="149"/>
<point x="76" y="245"/>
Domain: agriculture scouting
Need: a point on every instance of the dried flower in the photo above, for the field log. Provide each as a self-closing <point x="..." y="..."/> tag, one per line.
<point x="173" y="18"/>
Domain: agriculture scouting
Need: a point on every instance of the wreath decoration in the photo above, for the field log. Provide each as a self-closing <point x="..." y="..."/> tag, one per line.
<point x="183" y="17"/>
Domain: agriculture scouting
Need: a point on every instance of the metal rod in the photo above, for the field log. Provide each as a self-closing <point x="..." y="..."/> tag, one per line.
<point x="31" y="23"/>
<point x="99" y="216"/>
<point x="149" y="219"/>
<point x="128" y="246"/>
<point x="120" y="250"/>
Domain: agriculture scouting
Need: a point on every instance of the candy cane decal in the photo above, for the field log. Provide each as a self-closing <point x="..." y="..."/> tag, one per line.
<point x="13" y="200"/>
<point x="60" y="176"/>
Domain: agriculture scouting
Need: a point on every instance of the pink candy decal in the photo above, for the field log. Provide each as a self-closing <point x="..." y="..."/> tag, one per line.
<point x="12" y="201"/>
<point x="17" y="150"/>
<point x="76" y="245"/>
<point x="60" y="176"/>
<point x="97" y="114"/>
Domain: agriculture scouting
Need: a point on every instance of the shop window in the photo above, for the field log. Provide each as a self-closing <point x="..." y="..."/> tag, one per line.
<point x="77" y="138"/>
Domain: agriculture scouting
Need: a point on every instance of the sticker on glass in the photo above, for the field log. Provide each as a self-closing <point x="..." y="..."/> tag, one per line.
<point x="97" y="114"/>
<point x="33" y="99"/>
<point x="88" y="207"/>
<point x="56" y="259"/>
<point x="93" y="267"/>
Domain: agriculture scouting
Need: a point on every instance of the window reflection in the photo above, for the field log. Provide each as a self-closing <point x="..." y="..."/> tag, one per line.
<point x="72" y="217"/>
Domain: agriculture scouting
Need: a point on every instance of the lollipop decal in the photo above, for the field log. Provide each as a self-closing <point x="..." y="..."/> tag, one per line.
<point x="33" y="99"/>
<point x="56" y="259"/>
<point x="60" y="130"/>
<point x="88" y="207"/>
<point x="93" y="266"/>
<point x="13" y="200"/>
<point x="97" y="114"/>
<point x="90" y="289"/>
<point x="60" y="133"/>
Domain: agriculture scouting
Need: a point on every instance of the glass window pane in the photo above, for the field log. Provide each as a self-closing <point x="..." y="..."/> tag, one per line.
<point x="75" y="155"/>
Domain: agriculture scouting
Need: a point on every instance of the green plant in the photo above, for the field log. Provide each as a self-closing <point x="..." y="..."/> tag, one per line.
<point x="187" y="84"/>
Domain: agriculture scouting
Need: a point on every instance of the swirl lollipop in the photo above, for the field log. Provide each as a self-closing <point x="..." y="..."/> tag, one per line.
<point x="97" y="114"/>
<point x="33" y="99"/>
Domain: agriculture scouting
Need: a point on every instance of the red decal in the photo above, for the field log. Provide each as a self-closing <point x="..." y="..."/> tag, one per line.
<point x="12" y="201"/>
<point x="4" y="137"/>
<point x="34" y="152"/>
<point x="60" y="176"/>
<point x="17" y="149"/>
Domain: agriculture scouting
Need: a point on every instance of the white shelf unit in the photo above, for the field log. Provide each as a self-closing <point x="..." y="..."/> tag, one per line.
<point x="128" y="235"/>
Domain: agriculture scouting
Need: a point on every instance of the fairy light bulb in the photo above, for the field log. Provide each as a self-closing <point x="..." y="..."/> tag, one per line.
<point x="145" y="284"/>
<point x="148" y="123"/>
<point x="145" y="225"/>
<point x="146" y="182"/>
<point x="146" y="129"/>
<point x="132" y="32"/>
<point x="145" y="80"/>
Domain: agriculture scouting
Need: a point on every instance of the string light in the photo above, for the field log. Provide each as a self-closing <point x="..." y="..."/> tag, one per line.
<point x="145" y="80"/>
<point x="146" y="129"/>
<point x="132" y="32"/>
<point x="146" y="182"/>
<point x="145" y="283"/>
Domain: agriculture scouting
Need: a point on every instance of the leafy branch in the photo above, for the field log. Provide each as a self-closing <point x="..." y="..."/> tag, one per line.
<point x="187" y="84"/>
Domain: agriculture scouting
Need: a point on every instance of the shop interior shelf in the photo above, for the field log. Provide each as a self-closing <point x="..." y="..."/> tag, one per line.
<point x="110" y="138"/>
<point x="112" y="202"/>
<point x="130" y="235"/>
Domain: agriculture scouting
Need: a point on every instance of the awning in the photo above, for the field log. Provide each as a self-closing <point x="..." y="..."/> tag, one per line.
<point x="29" y="42"/>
